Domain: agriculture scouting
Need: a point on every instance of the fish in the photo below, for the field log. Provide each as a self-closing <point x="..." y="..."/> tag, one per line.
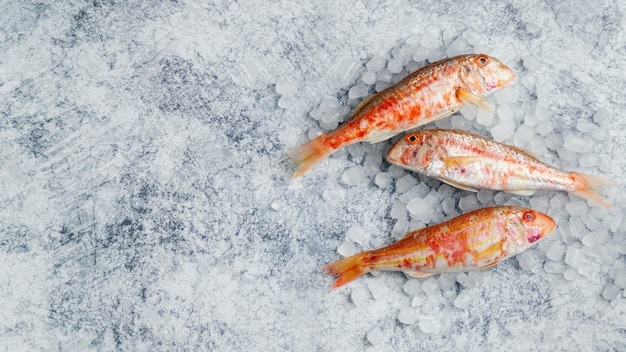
<point x="428" y="94"/>
<point x="469" y="161"/>
<point x="477" y="240"/>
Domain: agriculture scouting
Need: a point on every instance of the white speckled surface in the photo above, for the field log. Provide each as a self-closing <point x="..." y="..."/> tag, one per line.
<point x="141" y="206"/>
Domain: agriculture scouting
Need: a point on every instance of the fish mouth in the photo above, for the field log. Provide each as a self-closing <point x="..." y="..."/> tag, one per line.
<point x="394" y="154"/>
<point x="546" y="223"/>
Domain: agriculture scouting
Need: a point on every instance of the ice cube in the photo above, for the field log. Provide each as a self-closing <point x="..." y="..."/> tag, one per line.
<point x="421" y="205"/>
<point x="446" y="281"/>
<point x="599" y="134"/>
<point x="369" y="77"/>
<point x="394" y="66"/>
<point x="620" y="277"/>
<point x="484" y="117"/>
<point x="285" y="88"/>
<point x="468" y="203"/>
<point x="405" y="183"/>
<point x="542" y="113"/>
<point x="429" y="325"/>
<point x="395" y="171"/>
<point x="574" y="257"/>
<point x="346" y="249"/>
<point x="575" y="143"/>
<point x="378" y="290"/>
<point x="601" y="115"/>
<point x="287" y="102"/>
<point x="503" y="130"/>
<point x="531" y="63"/>
<point x="353" y="176"/>
<point x="585" y="126"/>
<point x="463" y="300"/>
<point x="358" y="234"/>
<point x="448" y="204"/>
<point x="570" y="274"/>
<point x="553" y="267"/>
<point x="436" y="55"/>
<point x="398" y="210"/>
<point x="473" y="38"/>
<point x="527" y="260"/>
<point x="357" y="91"/>
<point x="459" y="122"/>
<point x="469" y="111"/>
<point x="485" y="196"/>
<point x="407" y="315"/>
<point x="375" y="64"/>
<point x="314" y="132"/>
<point x="376" y="336"/>
<point x="610" y="292"/>
<point x="400" y="228"/>
<point x="556" y="251"/>
<point x="505" y="113"/>
<point x="540" y="203"/>
<point x="431" y="287"/>
<point x="413" y="287"/>
<point x="383" y="179"/>
<point x="588" y="160"/>
<point x="385" y="75"/>
<point x="554" y="141"/>
<point x="577" y="208"/>
<point x="359" y="296"/>
<point x="457" y="47"/>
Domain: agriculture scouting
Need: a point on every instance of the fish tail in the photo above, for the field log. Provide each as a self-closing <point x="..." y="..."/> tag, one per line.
<point x="347" y="269"/>
<point x="590" y="186"/>
<point x="305" y="157"/>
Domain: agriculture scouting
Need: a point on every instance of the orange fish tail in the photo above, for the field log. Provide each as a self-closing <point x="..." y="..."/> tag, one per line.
<point x="590" y="186"/>
<point x="304" y="158"/>
<point x="347" y="269"/>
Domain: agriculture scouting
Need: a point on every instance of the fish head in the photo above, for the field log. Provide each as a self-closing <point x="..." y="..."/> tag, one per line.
<point x="414" y="151"/>
<point x="526" y="227"/>
<point x="483" y="74"/>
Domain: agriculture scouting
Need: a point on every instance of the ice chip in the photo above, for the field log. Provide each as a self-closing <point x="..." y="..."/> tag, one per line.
<point x="601" y="115"/>
<point x="400" y="228"/>
<point x="473" y="38"/>
<point x="553" y="267"/>
<point x="457" y="47"/>
<point x="531" y="63"/>
<point x="468" y="203"/>
<point x="376" y="63"/>
<point x="469" y="111"/>
<point x="506" y="96"/>
<point x="413" y="287"/>
<point x="585" y="126"/>
<point x="398" y="210"/>
<point x="588" y="160"/>
<point x="353" y="176"/>
<point x="446" y="281"/>
<point x="505" y="113"/>
<point x="540" y="203"/>
<point x="448" y="204"/>
<point x="459" y="122"/>
<point x="463" y="300"/>
<point x="610" y="292"/>
<point x="375" y="336"/>
<point x="554" y="141"/>
<point x="385" y="75"/>
<point x="357" y="91"/>
<point x="360" y="295"/>
<point x="395" y="171"/>
<point x="314" y="132"/>
<point x="429" y="325"/>
<point x="287" y="102"/>
<point x="570" y="274"/>
<point x="556" y="251"/>
<point x="485" y="196"/>
<point x="576" y="143"/>
<point x="407" y="315"/>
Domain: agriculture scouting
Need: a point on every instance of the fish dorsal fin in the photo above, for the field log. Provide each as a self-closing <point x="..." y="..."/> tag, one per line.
<point x="467" y="96"/>
<point x="460" y="185"/>
<point x="416" y="273"/>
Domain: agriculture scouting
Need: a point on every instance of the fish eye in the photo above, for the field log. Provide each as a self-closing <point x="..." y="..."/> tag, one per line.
<point x="483" y="60"/>
<point x="412" y="138"/>
<point x="528" y="216"/>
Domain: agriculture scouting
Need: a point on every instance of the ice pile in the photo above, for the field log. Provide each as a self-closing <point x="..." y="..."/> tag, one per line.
<point x="586" y="240"/>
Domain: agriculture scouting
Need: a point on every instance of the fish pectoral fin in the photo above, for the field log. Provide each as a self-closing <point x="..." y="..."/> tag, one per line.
<point x="461" y="160"/>
<point x="460" y="185"/>
<point x="467" y="96"/>
<point x="522" y="192"/>
<point x="380" y="137"/>
<point x="489" y="265"/>
<point x="416" y="273"/>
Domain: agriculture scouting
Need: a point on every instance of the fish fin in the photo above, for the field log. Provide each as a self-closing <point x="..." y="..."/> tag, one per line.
<point x="590" y="186"/>
<point x="305" y="157"/>
<point x="467" y="96"/>
<point x="461" y="160"/>
<point x="460" y="185"/>
<point x="489" y="265"/>
<point x="368" y="100"/>
<point x="377" y="138"/>
<point x="417" y="273"/>
<point x="346" y="269"/>
<point x="522" y="192"/>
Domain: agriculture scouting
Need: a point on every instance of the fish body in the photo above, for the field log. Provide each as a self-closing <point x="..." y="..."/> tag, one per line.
<point x="470" y="161"/>
<point x="474" y="241"/>
<point x="430" y="93"/>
